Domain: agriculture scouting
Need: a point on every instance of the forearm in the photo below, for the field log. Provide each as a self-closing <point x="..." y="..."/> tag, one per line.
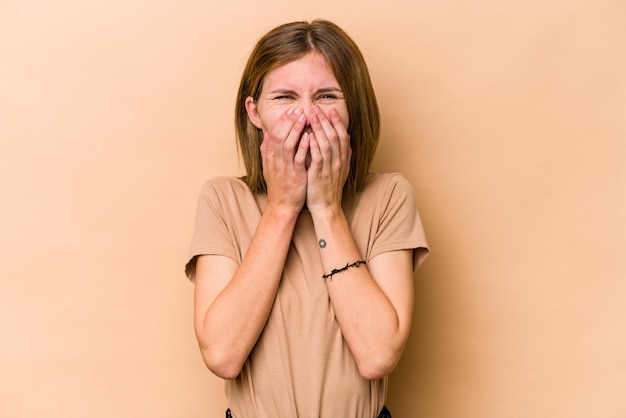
<point x="234" y="321"/>
<point x="369" y="322"/>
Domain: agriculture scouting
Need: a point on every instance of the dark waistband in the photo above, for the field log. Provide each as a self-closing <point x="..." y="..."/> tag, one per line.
<point x="383" y="414"/>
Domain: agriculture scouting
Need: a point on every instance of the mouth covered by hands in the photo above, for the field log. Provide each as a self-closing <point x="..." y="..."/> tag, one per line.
<point x="306" y="159"/>
<point x="330" y="153"/>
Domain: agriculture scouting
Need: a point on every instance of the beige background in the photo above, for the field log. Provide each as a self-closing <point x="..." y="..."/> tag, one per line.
<point x="507" y="116"/>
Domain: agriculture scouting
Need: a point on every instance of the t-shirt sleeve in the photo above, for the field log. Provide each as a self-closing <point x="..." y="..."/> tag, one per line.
<point x="400" y="226"/>
<point x="211" y="234"/>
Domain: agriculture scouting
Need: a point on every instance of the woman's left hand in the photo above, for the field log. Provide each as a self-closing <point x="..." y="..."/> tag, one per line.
<point x="330" y="160"/>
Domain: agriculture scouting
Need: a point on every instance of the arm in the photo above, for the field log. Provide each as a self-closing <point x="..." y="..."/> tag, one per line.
<point x="232" y="303"/>
<point x="374" y="303"/>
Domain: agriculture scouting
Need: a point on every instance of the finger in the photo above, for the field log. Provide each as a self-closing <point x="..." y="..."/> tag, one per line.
<point x="342" y="132"/>
<point x="285" y="133"/>
<point x="317" y="159"/>
<point x="302" y="151"/>
<point x="295" y="133"/>
<point x="326" y="125"/>
<point x="285" y="123"/>
<point x="325" y="135"/>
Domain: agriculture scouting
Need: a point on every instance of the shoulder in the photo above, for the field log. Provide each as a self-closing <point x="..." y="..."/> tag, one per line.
<point x="229" y="195"/>
<point x="385" y="185"/>
<point x="382" y="193"/>
<point x="224" y="184"/>
<point x="225" y="189"/>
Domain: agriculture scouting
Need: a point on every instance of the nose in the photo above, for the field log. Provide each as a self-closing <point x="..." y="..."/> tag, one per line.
<point x="307" y="106"/>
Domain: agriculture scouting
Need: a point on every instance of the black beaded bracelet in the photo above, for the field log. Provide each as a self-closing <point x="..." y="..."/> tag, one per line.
<point x="346" y="267"/>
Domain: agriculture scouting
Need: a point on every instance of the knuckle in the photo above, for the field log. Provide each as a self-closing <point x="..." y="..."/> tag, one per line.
<point x="289" y="147"/>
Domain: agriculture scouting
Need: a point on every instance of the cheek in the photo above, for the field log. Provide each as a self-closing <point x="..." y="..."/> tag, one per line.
<point x="269" y="118"/>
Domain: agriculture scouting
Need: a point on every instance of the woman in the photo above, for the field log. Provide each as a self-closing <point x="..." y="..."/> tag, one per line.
<point x="303" y="269"/>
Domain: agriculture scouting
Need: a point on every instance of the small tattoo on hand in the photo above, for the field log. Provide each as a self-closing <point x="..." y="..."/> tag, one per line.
<point x="322" y="243"/>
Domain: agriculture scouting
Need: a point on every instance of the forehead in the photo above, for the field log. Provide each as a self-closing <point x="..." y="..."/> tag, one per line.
<point x="310" y="70"/>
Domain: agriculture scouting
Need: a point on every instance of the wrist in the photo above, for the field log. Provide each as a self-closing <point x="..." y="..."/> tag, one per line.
<point x="326" y="213"/>
<point x="281" y="212"/>
<point x="328" y="219"/>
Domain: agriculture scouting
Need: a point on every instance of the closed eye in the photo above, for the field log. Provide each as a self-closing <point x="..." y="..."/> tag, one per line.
<point x="283" y="97"/>
<point x="328" y="98"/>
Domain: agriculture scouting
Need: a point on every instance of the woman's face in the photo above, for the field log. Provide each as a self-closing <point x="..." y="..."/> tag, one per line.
<point x="303" y="83"/>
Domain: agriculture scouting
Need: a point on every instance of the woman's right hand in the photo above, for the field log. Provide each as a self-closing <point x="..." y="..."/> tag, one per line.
<point x="284" y="152"/>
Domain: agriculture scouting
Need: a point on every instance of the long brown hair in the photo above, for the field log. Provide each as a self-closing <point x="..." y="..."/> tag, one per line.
<point x="287" y="43"/>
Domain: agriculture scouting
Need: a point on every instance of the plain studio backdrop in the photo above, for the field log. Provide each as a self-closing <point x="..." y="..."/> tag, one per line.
<point x="508" y="117"/>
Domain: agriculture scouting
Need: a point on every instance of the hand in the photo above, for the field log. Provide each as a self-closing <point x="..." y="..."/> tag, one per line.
<point x="284" y="152"/>
<point x="330" y="154"/>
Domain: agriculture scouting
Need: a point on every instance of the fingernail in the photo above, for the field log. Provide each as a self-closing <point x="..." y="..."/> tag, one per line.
<point x="301" y="118"/>
<point x="298" y="110"/>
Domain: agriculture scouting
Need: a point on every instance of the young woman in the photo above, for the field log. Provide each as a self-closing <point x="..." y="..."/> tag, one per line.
<point x="303" y="269"/>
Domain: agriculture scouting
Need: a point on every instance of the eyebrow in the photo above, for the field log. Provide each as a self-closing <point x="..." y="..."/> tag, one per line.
<point x="322" y="90"/>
